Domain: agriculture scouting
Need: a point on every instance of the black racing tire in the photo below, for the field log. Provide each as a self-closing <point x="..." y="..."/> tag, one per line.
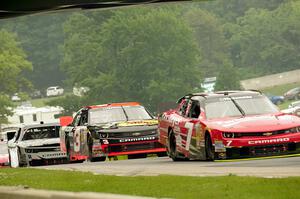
<point x="21" y="164"/>
<point x="173" y="153"/>
<point x="209" y="148"/>
<point x="90" y="147"/>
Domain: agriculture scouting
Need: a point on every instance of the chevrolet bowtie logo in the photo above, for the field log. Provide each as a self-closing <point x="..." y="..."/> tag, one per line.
<point x="267" y="134"/>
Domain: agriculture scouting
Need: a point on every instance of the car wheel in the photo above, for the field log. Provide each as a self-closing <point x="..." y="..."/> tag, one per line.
<point x="173" y="153"/>
<point x="90" y="147"/>
<point x="209" y="148"/>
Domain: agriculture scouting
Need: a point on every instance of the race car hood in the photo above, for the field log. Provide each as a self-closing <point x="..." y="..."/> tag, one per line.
<point x="38" y="142"/>
<point x="254" y="123"/>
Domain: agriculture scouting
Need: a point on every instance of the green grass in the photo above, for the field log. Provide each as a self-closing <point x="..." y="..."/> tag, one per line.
<point x="285" y="104"/>
<point x="281" y="89"/>
<point x="40" y="102"/>
<point x="155" y="186"/>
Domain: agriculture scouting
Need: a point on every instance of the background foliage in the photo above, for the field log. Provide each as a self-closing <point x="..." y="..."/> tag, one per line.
<point x="151" y="54"/>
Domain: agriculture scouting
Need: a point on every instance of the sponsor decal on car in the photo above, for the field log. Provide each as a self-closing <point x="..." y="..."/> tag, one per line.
<point x="268" y="134"/>
<point x="235" y="98"/>
<point x="139" y="123"/>
<point x="270" y="141"/>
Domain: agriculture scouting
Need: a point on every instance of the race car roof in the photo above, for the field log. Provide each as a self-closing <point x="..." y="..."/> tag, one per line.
<point x="220" y="94"/>
<point x="114" y="105"/>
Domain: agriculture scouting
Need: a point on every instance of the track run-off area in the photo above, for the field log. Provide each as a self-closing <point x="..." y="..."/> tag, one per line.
<point x="281" y="166"/>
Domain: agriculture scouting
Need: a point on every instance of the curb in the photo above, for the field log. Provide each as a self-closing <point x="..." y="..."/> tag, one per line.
<point x="7" y="192"/>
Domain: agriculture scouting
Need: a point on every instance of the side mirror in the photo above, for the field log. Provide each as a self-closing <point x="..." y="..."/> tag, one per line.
<point x="65" y="120"/>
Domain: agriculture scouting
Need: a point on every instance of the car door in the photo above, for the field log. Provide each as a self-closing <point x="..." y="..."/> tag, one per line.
<point x="182" y="127"/>
<point x="187" y="132"/>
<point x="194" y="131"/>
<point x="80" y="134"/>
<point x="67" y="135"/>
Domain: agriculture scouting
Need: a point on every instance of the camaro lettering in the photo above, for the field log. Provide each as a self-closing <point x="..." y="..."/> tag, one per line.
<point x="137" y="139"/>
<point x="269" y="141"/>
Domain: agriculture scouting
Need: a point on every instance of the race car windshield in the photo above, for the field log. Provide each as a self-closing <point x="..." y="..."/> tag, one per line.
<point x="118" y="114"/>
<point x="225" y="107"/>
<point x="41" y="133"/>
<point x="137" y="113"/>
<point x="106" y="115"/>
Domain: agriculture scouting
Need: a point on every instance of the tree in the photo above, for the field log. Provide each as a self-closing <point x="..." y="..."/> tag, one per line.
<point x="70" y="103"/>
<point x="209" y="34"/>
<point x="13" y="62"/>
<point x="40" y="37"/>
<point x="266" y="42"/>
<point x="228" y="79"/>
<point x="81" y="47"/>
<point x="148" y="55"/>
<point x="230" y="10"/>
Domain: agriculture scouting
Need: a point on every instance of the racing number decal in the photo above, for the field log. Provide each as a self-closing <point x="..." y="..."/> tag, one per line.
<point x="77" y="140"/>
<point x="189" y="127"/>
<point x="228" y="142"/>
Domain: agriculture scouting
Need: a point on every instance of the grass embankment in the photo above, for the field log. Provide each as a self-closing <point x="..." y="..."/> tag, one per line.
<point x="280" y="90"/>
<point x="40" y="102"/>
<point x="155" y="186"/>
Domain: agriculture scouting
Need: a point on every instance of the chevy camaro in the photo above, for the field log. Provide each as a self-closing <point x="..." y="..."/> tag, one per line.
<point x="35" y="144"/>
<point x="110" y="130"/>
<point x="228" y="124"/>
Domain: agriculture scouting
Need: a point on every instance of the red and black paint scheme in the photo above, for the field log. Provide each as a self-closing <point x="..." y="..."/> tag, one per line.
<point x="110" y="130"/>
<point x="227" y="124"/>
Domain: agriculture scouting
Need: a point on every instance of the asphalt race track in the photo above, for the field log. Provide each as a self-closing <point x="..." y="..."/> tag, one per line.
<point x="274" y="167"/>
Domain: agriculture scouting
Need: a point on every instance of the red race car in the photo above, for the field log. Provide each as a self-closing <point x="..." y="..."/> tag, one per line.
<point x="227" y="124"/>
<point x="111" y="130"/>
